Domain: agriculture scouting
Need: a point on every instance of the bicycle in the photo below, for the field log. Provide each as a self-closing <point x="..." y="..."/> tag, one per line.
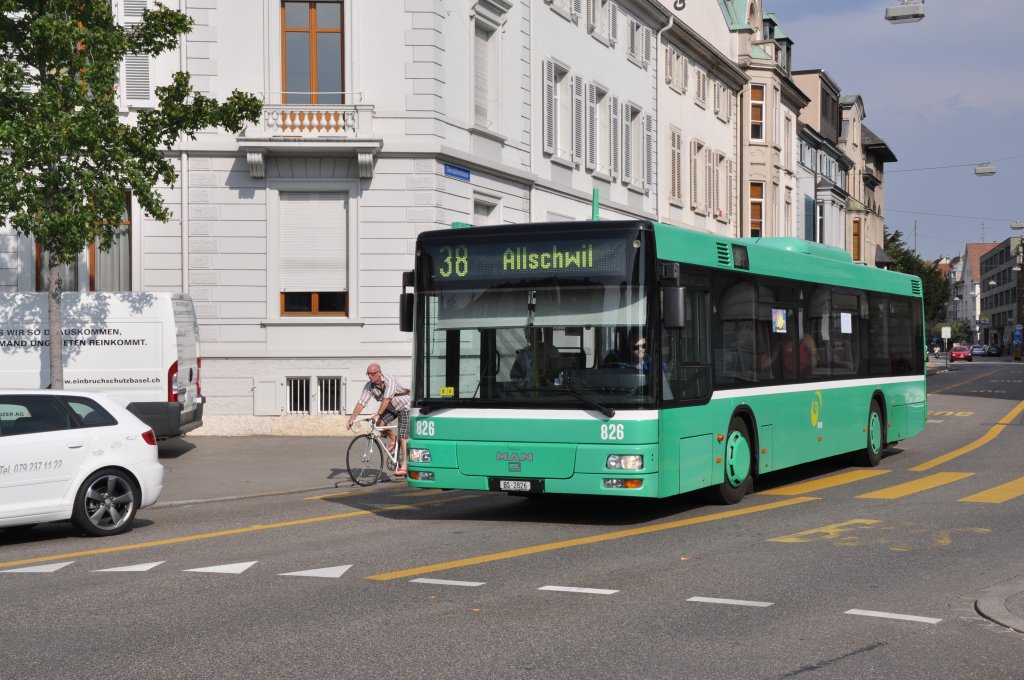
<point x="368" y="456"/>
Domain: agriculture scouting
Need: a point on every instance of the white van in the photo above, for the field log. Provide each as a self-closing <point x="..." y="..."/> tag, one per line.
<point x="142" y="349"/>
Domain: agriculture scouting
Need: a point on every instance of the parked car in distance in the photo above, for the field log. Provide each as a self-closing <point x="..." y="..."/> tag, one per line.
<point x="960" y="353"/>
<point x="977" y="350"/>
<point x="74" y="455"/>
<point x="994" y="351"/>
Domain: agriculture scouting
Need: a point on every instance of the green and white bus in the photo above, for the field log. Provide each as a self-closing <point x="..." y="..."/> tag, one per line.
<point x="632" y="358"/>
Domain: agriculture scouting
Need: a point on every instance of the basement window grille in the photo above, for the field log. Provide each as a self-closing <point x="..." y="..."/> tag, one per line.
<point x="298" y="396"/>
<point x="329" y="394"/>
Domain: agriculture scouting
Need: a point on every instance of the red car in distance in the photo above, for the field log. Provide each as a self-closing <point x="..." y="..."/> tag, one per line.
<point x="960" y="353"/>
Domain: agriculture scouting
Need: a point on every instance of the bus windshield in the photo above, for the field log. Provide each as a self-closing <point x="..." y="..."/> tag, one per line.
<point x="557" y="336"/>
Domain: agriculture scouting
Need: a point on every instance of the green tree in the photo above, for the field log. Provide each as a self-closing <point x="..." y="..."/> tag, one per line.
<point x="934" y="285"/>
<point x="67" y="158"/>
<point x="959" y="331"/>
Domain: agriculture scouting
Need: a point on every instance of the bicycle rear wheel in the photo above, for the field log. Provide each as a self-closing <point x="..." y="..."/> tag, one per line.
<point x="365" y="460"/>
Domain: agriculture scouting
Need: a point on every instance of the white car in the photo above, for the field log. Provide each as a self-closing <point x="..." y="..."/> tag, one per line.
<point x="77" y="456"/>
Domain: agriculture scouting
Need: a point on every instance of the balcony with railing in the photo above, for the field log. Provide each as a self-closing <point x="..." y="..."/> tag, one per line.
<point x="306" y="122"/>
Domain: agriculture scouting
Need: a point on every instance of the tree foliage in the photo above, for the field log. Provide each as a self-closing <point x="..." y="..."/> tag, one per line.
<point x="68" y="156"/>
<point x="933" y="283"/>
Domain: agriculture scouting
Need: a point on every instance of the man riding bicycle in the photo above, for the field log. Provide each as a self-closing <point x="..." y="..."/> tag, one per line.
<point x="394" y="403"/>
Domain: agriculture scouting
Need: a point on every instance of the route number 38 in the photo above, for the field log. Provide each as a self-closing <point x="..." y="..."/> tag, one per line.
<point x="424" y="428"/>
<point x="613" y="431"/>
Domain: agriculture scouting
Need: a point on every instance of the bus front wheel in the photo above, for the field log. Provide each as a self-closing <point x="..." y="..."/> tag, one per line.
<point x="737" y="459"/>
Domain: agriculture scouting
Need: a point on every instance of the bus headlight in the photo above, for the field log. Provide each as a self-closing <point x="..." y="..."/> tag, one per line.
<point x="419" y="455"/>
<point x="628" y="462"/>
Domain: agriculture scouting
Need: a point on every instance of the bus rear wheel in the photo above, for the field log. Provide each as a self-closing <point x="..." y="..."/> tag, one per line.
<point x="871" y="456"/>
<point x="737" y="481"/>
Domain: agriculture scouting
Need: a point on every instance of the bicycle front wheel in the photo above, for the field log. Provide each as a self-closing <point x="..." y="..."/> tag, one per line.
<point x="365" y="460"/>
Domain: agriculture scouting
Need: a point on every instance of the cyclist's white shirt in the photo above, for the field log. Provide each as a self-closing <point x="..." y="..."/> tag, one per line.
<point x="389" y="388"/>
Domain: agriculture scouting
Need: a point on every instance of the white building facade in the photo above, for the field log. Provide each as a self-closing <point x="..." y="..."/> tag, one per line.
<point x="385" y="120"/>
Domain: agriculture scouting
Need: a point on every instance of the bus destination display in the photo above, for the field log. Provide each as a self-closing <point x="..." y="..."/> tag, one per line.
<point x="475" y="261"/>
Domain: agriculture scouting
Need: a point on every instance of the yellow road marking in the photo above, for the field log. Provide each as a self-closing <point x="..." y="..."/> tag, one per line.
<point x="992" y="433"/>
<point x="825" y="483"/>
<point x="922" y="484"/>
<point x="574" y="542"/>
<point x="830" y="532"/>
<point x="999" y="494"/>
<point x="965" y="382"/>
<point x="226" y="532"/>
<point x="340" y="494"/>
<point x="418" y="493"/>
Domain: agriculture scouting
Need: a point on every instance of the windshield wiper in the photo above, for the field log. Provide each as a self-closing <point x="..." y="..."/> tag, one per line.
<point x="606" y="411"/>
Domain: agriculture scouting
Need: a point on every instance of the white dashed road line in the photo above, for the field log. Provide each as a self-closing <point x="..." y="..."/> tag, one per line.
<point x="327" y="572"/>
<point x="570" y="589"/>
<point x="135" y="567"/>
<point x="40" y="569"/>
<point x="444" y="582"/>
<point x="236" y="568"/>
<point x="738" y="603"/>
<point x="887" y="615"/>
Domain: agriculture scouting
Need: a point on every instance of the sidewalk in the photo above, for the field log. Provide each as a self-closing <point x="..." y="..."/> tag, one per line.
<point x="218" y="468"/>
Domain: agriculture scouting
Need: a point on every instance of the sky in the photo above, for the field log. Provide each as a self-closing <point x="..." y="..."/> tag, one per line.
<point x="945" y="91"/>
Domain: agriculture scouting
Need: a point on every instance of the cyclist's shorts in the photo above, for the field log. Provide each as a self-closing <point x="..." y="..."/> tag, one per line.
<point x="403" y="421"/>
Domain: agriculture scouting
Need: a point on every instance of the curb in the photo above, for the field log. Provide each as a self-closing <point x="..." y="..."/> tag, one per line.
<point x="992" y="604"/>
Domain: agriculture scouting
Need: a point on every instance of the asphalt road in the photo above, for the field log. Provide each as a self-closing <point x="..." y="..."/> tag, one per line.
<point x="828" y="571"/>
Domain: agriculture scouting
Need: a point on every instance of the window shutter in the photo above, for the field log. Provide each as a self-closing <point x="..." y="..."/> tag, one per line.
<point x="592" y="7"/>
<point x="668" y="64"/>
<point x="694" y="149"/>
<point x="718" y="97"/>
<point x="480" y="68"/>
<point x="731" y="191"/>
<point x="136" y="79"/>
<point x="577" y="119"/>
<point x="676" y="164"/>
<point x="648" y="36"/>
<point x="686" y="75"/>
<point x="577" y="8"/>
<point x="616" y="136"/>
<point x="549" y="107"/>
<point x="591" y="126"/>
<point x="648" y="150"/>
<point x="627" y="144"/>
<point x="613" y="28"/>
<point x="709" y="179"/>
<point x="313" y="241"/>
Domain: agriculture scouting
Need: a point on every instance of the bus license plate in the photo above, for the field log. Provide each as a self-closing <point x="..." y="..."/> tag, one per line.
<point x="514" y="485"/>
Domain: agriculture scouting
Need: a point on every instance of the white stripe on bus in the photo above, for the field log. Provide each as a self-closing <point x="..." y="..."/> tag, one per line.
<point x="652" y="414"/>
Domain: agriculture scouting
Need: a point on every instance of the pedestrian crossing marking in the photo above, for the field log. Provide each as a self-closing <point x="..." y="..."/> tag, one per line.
<point x="916" y="486"/>
<point x="814" y="485"/>
<point x="998" y="494"/>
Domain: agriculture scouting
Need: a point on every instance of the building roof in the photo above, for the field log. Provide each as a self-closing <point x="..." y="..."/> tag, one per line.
<point x="876" y="145"/>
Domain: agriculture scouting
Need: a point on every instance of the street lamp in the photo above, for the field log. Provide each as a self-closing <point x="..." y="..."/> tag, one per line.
<point x="984" y="170"/>
<point x="905" y="12"/>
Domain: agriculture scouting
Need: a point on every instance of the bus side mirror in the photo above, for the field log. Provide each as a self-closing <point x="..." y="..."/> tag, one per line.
<point x="673" y="302"/>
<point x="405" y="302"/>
